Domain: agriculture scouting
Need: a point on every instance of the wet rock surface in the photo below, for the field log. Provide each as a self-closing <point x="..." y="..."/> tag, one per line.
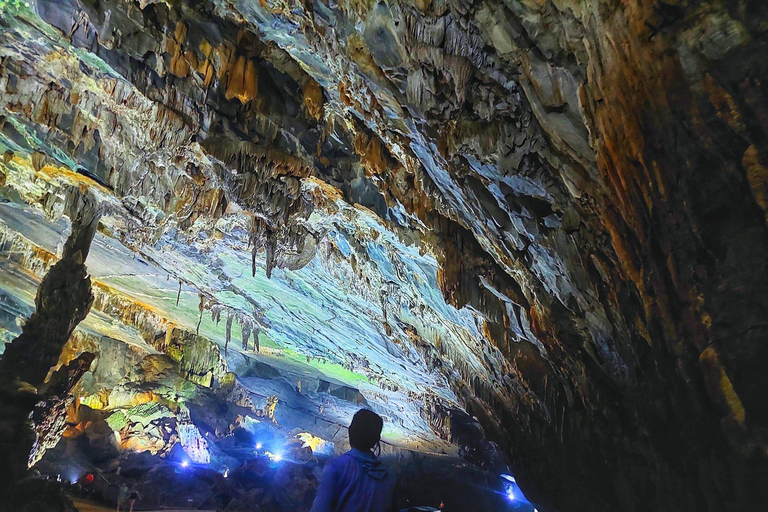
<point x="548" y="216"/>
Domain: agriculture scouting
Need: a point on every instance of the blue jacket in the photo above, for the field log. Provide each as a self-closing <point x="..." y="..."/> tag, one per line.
<point x="355" y="482"/>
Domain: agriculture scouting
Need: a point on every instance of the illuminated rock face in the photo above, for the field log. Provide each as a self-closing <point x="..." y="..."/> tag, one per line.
<point x="550" y="215"/>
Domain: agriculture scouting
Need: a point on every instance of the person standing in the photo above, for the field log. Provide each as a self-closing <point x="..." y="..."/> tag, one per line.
<point x="357" y="481"/>
<point x="122" y="495"/>
<point x="132" y="499"/>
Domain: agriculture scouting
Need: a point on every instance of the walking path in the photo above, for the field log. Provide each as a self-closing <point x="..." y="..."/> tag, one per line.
<point x="89" y="506"/>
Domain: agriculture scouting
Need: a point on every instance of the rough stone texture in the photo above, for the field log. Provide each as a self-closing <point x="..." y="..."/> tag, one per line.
<point x="50" y="414"/>
<point x="588" y="176"/>
<point x="63" y="300"/>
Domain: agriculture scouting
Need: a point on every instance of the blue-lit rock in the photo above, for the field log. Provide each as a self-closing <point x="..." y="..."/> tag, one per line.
<point x="548" y="216"/>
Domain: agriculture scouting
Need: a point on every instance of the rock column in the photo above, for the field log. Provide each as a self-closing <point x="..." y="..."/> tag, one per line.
<point x="62" y="302"/>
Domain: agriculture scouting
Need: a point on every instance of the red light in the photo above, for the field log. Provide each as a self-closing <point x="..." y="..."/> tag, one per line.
<point x="89" y="477"/>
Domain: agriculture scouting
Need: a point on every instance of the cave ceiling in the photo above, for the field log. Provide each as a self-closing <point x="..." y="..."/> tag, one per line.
<point x="430" y="208"/>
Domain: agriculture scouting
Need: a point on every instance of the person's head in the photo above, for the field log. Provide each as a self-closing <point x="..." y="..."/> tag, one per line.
<point x="365" y="430"/>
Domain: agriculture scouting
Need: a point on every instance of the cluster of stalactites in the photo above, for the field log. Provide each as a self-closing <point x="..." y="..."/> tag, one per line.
<point x="250" y="323"/>
<point x="291" y="245"/>
<point x="28" y="255"/>
<point x="268" y="187"/>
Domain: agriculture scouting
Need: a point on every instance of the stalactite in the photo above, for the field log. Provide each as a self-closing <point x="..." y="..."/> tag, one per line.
<point x="230" y="317"/>
<point x="270" y="254"/>
<point x="246" y="326"/>
<point x="254" y="250"/>
<point x="216" y="310"/>
<point x="201" y="307"/>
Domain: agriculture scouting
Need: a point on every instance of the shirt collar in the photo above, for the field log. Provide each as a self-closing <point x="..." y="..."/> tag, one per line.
<point x="360" y="454"/>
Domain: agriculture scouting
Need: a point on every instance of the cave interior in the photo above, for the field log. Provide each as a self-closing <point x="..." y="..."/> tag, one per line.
<point x="530" y="234"/>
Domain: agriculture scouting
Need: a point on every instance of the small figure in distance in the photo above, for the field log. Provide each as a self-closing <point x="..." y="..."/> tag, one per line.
<point x="357" y="481"/>
<point x="132" y="499"/>
<point x="122" y="495"/>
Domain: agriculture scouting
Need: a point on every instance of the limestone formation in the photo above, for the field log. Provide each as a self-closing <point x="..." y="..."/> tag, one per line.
<point x="531" y="233"/>
<point x="62" y="302"/>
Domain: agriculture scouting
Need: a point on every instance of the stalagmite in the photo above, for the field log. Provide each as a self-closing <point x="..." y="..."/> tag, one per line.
<point x="63" y="300"/>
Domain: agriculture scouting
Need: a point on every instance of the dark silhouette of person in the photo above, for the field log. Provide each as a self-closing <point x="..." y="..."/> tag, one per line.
<point x="132" y="499"/>
<point x="357" y="481"/>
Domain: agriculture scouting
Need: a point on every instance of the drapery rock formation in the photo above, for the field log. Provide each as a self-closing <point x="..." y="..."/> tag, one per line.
<point x="548" y="216"/>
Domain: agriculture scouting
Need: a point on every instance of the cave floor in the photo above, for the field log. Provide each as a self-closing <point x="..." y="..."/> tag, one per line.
<point x="89" y="506"/>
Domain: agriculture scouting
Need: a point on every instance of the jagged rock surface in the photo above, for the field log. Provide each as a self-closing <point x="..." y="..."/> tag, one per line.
<point x="62" y="301"/>
<point x="582" y="182"/>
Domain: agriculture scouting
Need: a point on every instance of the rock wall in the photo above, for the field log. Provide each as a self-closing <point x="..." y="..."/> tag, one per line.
<point x="588" y="174"/>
